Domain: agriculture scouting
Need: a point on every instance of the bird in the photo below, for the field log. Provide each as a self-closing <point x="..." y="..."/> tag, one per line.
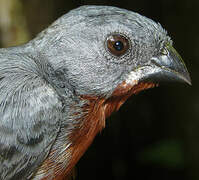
<point x="57" y="89"/>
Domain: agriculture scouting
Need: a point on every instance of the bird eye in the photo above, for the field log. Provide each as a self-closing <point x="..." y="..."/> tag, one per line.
<point x="117" y="44"/>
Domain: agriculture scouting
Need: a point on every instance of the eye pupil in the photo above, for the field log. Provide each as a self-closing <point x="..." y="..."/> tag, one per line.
<point x="118" y="45"/>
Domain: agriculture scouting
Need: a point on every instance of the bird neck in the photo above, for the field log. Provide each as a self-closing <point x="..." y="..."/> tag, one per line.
<point x="88" y="125"/>
<point x="76" y="138"/>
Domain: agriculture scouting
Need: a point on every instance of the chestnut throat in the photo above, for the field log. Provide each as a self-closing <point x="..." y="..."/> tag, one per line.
<point x="93" y="121"/>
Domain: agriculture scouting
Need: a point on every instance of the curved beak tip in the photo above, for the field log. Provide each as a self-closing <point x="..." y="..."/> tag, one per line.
<point x="187" y="79"/>
<point x="172" y="67"/>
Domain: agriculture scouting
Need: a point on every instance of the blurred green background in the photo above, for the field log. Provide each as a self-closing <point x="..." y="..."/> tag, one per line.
<point x="155" y="135"/>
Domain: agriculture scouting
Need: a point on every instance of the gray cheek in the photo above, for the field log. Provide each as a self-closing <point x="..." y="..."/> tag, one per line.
<point x="98" y="79"/>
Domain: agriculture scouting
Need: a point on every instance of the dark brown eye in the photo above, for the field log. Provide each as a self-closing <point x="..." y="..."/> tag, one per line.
<point x="117" y="44"/>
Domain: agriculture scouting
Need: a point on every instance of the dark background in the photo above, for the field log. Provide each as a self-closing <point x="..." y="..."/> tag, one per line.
<point x="155" y="134"/>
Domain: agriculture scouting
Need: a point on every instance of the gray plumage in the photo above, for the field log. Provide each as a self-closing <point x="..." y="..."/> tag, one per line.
<point x="41" y="80"/>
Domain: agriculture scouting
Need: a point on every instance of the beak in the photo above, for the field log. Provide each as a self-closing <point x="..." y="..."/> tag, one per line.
<point x="166" y="67"/>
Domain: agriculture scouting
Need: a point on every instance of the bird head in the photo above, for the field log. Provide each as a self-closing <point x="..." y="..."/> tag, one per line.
<point x="101" y="49"/>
